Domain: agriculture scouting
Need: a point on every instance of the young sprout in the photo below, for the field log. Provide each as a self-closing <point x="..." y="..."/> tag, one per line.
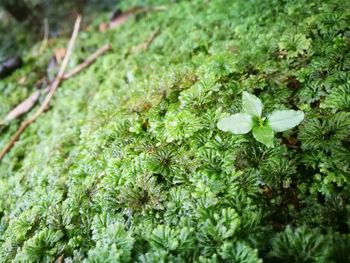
<point x="263" y="128"/>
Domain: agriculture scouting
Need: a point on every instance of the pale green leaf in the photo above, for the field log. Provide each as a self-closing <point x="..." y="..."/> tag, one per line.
<point x="239" y="123"/>
<point x="294" y="44"/>
<point x="264" y="134"/>
<point x="251" y="104"/>
<point x="285" y="119"/>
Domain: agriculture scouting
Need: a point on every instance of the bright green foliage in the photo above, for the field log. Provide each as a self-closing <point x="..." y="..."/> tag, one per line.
<point x="300" y="245"/>
<point x="262" y="128"/>
<point x="263" y="134"/>
<point x="129" y="166"/>
<point x="294" y="44"/>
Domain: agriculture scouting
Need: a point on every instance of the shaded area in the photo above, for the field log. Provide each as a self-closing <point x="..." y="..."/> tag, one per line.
<point x="128" y="164"/>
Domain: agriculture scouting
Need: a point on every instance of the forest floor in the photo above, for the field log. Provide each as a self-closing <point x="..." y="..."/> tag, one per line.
<point x="127" y="163"/>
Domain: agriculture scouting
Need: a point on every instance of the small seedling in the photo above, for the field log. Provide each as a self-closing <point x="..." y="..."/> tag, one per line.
<point x="263" y="128"/>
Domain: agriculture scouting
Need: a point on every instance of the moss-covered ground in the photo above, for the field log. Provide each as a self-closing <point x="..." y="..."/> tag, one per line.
<point x="128" y="165"/>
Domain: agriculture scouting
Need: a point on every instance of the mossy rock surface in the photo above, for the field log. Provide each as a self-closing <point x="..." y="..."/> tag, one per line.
<point x="128" y="165"/>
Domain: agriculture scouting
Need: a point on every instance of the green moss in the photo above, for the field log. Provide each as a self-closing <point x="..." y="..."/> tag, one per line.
<point x="128" y="164"/>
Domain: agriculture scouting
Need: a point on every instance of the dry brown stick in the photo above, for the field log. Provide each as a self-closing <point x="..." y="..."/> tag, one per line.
<point x="145" y="44"/>
<point x="25" y="106"/>
<point x="49" y="96"/>
<point x="60" y="259"/>
<point x="46" y="35"/>
<point x="88" y="61"/>
<point x="151" y="38"/>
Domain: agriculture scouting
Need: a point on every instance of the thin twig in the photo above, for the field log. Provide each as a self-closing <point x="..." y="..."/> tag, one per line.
<point x="137" y="10"/>
<point x="60" y="259"/>
<point x="52" y="91"/>
<point x="23" y="107"/>
<point x="46" y="35"/>
<point x="145" y="45"/>
<point x="88" y="61"/>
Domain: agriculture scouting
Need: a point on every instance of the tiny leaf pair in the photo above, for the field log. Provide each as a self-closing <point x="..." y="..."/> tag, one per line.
<point x="262" y="128"/>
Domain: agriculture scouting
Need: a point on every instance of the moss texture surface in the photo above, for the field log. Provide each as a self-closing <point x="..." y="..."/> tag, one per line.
<point x="128" y="165"/>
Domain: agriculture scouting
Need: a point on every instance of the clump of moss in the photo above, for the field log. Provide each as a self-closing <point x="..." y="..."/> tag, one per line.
<point x="128" y="164"/>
